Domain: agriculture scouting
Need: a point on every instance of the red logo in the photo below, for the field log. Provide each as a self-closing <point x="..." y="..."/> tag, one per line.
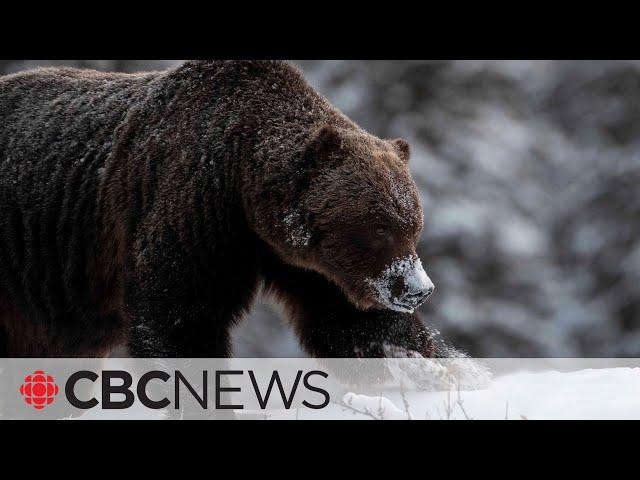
<point x="39" y="389"/>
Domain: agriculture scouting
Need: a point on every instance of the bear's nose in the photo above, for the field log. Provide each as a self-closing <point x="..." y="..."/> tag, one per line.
<point x="414" y="287"/>
<point x="418" y="297"/>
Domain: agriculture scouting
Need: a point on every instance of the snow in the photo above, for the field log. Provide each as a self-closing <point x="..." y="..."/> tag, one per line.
<point x="415" y="279"/>
<point x="298" y="235"/>
<point x="404" y="198"/>
<point x="589" y="394"/>
<point x="378" y="407"/>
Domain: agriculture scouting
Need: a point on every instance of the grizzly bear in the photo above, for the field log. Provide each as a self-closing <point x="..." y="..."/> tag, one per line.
<point x="148" y="209"/>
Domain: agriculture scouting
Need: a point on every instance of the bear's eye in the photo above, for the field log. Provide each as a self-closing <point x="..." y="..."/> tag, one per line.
<point x="381" y="230"/>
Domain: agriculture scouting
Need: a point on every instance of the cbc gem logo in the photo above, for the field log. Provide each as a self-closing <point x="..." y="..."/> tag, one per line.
<point x="39" y="389"/>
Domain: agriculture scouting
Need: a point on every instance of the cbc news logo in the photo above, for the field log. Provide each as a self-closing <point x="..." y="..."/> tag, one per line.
<point x="39" y="389"/>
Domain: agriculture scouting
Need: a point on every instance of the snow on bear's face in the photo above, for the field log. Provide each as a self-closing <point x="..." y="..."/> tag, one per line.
<point x="363" y="219"/>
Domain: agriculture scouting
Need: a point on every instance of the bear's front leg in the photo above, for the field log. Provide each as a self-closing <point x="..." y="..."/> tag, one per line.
<point x="182" y="300"/>
<point x="167" y="327"/>
<point x="329" y="326"/>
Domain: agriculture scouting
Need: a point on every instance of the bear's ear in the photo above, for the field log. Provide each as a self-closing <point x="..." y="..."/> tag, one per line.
<point x="324" y="148"/>
<point x="402" y="148"/>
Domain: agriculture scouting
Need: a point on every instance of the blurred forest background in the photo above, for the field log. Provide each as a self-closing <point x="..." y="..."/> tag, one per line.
<point x="530" y="178"/>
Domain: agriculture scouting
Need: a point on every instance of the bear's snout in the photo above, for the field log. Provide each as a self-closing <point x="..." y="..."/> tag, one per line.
<point x="403" y="285"/>
<point x="413" y="288"/>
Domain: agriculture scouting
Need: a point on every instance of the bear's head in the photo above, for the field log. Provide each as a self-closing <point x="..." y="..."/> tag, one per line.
<point x="354" y="216"/>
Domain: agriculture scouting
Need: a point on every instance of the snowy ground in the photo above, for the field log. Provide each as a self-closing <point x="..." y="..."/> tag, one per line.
<point x="607" y="393"/>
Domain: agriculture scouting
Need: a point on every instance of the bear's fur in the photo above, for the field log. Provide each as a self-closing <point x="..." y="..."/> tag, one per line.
<point x="149" y="208"/>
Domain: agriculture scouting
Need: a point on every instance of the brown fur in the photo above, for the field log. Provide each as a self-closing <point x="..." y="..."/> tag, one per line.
<point x="149" y="207"/>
